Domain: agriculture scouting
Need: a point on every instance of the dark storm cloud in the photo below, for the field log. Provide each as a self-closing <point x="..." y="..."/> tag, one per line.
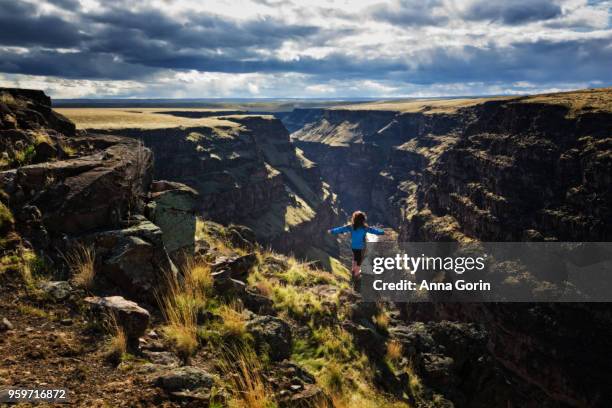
<point x="73" y="5"/>
<point x="201" y="30"/>
<point x="513" y="12"/>
<point x="409" y="13"/>
<point x="540" y="62"/>
<point x="22" y="25"/>
<point x="117" y="43"/>
<point x="137" y="66"/>
<point x="79" y="65"/>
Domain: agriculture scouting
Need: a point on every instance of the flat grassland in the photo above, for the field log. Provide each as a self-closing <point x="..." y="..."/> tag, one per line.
<point x="426" y="105"/>
<point x="140" y="118"/>
<point x="582" y="101"/>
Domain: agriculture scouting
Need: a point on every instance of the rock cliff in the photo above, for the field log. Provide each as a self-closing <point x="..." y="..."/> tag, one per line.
<point x="66" y="188"/>
<point x="248" y="172"/>
<point x="512" y="169"/>
<point x="497" y="170"/>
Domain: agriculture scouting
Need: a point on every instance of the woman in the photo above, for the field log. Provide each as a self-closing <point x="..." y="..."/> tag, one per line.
<point x="358" y="229"/>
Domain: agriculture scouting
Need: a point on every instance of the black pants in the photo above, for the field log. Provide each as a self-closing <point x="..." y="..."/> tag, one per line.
<point x="358" y="256"/>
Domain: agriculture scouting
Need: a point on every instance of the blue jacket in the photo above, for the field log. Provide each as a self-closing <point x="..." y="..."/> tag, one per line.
<point x="358" y="236"/>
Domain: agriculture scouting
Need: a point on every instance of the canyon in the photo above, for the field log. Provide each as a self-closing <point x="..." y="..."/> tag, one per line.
<point x="534" y="168"/>
<point x="515" y="169"/>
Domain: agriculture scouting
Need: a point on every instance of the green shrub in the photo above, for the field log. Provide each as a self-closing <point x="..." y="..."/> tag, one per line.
<point x="24" y="156"/>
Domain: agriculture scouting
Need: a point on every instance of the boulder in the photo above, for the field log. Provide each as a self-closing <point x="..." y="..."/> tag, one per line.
<point x="275" y="264"/>
<point x="363" y="311"/>
<point x="45" y="151"/>
<point x="258" y="303"/>
<point x="57" y="290"/>
<point x="5" y="325"/>
<point x="271" y="335"/>
<point x="132" y="318"/>
<point x="367" y="338"/>
<point x="239" y="267"/>
<point x="164" y="358"/>
<point x="172" y="207"/>
<point x="437" y="369"/>
<point x="133" y="258"/>
<point x="225" y="285"/>
<point x="305" y="396"/>
<point x="184" y="378"/>
<point x="242" y="237"/>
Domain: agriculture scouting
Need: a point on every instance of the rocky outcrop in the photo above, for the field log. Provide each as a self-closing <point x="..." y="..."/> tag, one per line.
<point x="98" y="184"/>
<point x="172" y="206"/>
<point x="249" y="173"/>
<point x="133" y="258"/>
<point x="83" y="194"/>
<point x="90" y="190"/>
<point x="31" y="132"/>
<point x="132" y="318"/>
<point x="272" y="336"/>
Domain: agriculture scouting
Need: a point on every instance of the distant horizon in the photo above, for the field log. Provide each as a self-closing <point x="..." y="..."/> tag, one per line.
<point x="252" y="103"/>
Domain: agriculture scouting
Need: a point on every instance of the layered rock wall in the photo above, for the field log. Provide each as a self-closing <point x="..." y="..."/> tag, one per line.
<point x="249" y="173"/>
<point x="534" y="168"/>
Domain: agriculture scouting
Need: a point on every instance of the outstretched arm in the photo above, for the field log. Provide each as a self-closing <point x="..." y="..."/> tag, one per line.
<point x="375" y="231"/>
<point x="340" y="230"/>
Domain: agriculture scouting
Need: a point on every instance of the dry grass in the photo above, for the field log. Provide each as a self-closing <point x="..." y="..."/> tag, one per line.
<point x="217" y="237"/>
<point x="8" y="99"/>
<point x="24" y="156"/>
<point x="587" y="100"/>
<point x="6" y="217"/>
<point x="41" y="137"/>
<point x="233" y="321"/>
<point x="199" y="274"/>
<point x="264" y="288"/>
<point x="394" y="351"/>
<point x="414" y="382"/>
<point x="381" y="320"/>
<point x="117" y="344"/>
<point x="141" y="118"/>
<point x="32" y="311"/>
<point x="183" y="299"/>
<point x="179" y="306"/>
<point x="244" y="374"/>
<point x="355" y="400"/>
<point x="81" y="261"/>
<point x="333" y="378"/>
<point x="304" y="274"/>
<point x="296" y="302"/>
<point x="28" y="261"/>
<point x="69" y="150"/>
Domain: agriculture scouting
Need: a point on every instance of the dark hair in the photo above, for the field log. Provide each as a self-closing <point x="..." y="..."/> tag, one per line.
<point x="358" y="220"/>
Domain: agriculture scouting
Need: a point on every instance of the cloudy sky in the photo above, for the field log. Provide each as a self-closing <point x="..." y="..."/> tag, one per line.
<point x="304" y="48"/>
